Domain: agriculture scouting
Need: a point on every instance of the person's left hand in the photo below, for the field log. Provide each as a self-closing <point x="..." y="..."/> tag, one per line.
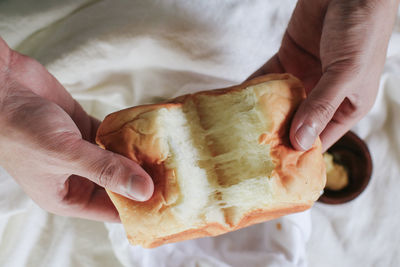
<point x="47" y="146"/>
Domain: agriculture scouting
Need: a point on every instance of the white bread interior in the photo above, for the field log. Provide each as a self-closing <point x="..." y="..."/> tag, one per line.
<point x="232" y="178"/>
<point x="215" y="169"/>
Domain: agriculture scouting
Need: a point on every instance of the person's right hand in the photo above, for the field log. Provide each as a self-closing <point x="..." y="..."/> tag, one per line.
<point x="337" y="48"/>
<point x="46" y="145"/>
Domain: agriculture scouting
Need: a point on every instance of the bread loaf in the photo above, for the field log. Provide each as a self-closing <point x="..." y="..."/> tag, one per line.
<point x="220" y="160"/>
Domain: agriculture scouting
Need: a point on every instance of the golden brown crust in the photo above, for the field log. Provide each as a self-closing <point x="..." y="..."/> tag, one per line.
<point x="214" y="229"/>
<point x="122" y="132"/>
<point x="294" y="83"/>
<point x="292" y="169"/>
<point x="127" y="135"/>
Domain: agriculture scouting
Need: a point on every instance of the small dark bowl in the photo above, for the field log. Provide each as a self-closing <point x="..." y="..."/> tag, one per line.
<point x="351" y="152"/>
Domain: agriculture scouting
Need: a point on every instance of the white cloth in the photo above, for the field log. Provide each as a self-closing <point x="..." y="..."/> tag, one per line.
<point x="277" y="243"/>
<point x="115" y="54"/>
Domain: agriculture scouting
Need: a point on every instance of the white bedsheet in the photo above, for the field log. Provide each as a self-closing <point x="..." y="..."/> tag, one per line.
<point x="115" y="54"/>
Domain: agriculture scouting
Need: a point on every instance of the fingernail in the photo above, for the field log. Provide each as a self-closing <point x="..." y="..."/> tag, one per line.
<point x="137" y="188"/>
<point x="305" y="136"/>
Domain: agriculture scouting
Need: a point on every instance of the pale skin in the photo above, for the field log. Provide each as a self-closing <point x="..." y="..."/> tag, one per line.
<point x="47" y="145"/>
<point x="337" y="48"/>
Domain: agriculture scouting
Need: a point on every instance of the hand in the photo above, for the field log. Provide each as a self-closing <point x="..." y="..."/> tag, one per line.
<point x="338" y="49"/>
<point x="46" y="142"/>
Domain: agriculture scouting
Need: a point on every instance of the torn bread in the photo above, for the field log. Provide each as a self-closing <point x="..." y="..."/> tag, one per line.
<point x="220" y="160"/>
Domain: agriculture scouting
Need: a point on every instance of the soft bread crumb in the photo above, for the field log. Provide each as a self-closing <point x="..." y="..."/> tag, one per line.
<point x="195" y="189"/>
<point x="220" y="175"/>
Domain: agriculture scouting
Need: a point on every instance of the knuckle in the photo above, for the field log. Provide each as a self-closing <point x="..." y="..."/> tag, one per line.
<point x="20" y="105"/>
<point x="346" y="64"/>
<point x="109" y="170"/>
<point x="322" y="111"/>
<point x="357" y="8"/>
<point x="359" y="105"/>
<point x="68" y="199"/>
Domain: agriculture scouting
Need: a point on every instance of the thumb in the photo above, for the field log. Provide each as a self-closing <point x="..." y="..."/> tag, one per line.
<point x="111" y="171"/>
<point x="315" y="112"/>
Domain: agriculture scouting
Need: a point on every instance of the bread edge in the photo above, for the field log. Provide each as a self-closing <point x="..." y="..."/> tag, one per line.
<point x="211" y="229"/>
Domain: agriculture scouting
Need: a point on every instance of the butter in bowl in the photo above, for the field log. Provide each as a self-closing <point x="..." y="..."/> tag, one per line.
<point x="349" y="168"/>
